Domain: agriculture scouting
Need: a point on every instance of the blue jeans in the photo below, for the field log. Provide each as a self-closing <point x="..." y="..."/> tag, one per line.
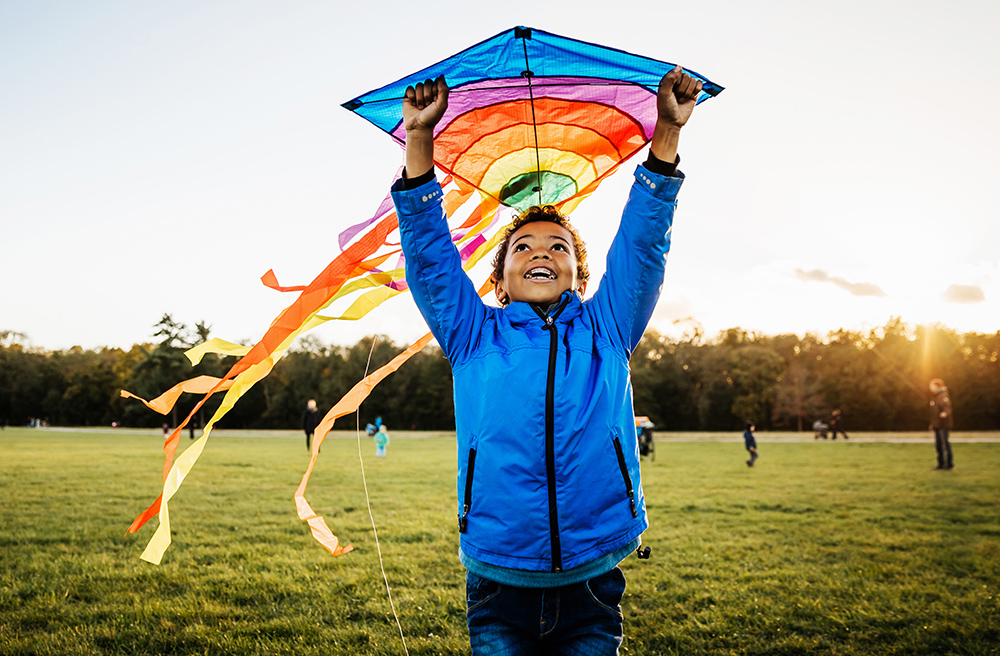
<point x="580" y="619"/>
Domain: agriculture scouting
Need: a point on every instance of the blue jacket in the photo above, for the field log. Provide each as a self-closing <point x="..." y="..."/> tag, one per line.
<point x="548" y="464"/>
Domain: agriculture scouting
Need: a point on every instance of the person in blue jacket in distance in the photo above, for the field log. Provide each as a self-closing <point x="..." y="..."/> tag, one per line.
<point x="549" y="494"/>
<point x="750" y="442"/>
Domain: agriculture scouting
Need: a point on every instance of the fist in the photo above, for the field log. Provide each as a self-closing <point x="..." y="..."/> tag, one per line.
<point x="676" y="97"/>
<point x="424" y="104"/>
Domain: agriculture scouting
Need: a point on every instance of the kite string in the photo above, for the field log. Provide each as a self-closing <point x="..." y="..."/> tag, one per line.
<point x="534" y="123"/>
<point x="364" y="479"/>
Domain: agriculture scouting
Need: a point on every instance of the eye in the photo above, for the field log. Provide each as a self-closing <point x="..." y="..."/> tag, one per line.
<point x="520" y="247"/>
<point x="559" y="246"/>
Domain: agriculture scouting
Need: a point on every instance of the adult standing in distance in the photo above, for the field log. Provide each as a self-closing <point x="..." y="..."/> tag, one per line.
<point x="835" y="428"/>
<point x="941" y="423"/>
<point x="310" y="420"/>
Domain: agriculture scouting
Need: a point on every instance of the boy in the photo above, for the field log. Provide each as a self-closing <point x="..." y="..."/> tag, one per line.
<point x="750" y="443"/>
<point x="548" y="476"/>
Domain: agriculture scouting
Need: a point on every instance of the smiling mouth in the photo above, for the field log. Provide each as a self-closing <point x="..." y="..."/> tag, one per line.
<point x="540" y="273"/>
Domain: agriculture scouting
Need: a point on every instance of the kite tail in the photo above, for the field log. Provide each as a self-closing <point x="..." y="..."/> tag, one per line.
<point x="295" y="319"/>
<point x="355" y="269"/>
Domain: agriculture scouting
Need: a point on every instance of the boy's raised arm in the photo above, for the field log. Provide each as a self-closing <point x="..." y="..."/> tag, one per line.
<point x="443" y="293"/>
<point x="634" y="275"/>
<point x="675" y="100"/>
<point x="423" y="106"/>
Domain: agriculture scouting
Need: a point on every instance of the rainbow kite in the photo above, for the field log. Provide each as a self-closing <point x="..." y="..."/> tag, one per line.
<point x="553" y="118"/>
<point x="532" y="118"/>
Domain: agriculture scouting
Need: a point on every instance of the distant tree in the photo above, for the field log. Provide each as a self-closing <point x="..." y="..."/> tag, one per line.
<point x="87" y="385"/>
<point x="173" y="334"/>
<point x="23" y="384"/>
<point x="662" y="381"/>
<point x="755" y="373"/>
<point x="976" y="390"/>
<point x="11" y="337"/>
<point x="423" y="390"/>
<point x="715" y="391"/>
<point x="165" y="365"/>
<point x="797" y="396"/>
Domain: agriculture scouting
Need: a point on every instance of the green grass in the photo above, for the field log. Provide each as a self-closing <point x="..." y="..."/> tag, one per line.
<point x="822" y="548"/>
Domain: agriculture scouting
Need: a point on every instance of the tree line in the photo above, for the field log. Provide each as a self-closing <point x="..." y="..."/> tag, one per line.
<point x="877" y="378"/>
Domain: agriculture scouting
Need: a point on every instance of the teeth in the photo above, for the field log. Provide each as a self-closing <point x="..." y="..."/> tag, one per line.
<point x="540" y="273"/>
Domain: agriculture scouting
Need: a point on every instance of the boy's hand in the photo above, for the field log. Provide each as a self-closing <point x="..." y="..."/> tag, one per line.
<point x="425" y="104"/>
<point x="675" y="100"/>
<point x="676" y="97"/>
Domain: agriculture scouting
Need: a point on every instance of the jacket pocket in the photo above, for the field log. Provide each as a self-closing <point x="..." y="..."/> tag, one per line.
<point x="628" y="479"/>
<point x="467" y="500"/>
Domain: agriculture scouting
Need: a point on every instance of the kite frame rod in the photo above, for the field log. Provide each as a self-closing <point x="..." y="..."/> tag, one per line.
<point x="712" y="91"/>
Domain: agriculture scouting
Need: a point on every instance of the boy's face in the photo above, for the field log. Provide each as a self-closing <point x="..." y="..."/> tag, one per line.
<point x="540" y="265"/>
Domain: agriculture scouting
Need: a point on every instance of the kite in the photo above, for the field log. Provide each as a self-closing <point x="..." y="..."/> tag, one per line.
<point x="533" y="118"/>
<point x="553" y="119"/>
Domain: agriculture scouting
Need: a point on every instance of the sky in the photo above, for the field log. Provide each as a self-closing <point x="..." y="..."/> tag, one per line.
<point x="160" y="157"/>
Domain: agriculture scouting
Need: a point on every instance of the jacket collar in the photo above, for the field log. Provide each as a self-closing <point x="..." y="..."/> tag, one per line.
<point x="567" y="308"/>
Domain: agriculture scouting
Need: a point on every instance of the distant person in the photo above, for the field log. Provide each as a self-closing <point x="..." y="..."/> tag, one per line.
<point x="644" y="435"/>
<point x="750" y="443"/>
<point x="381" y="439"/>
<point x="166" y="430"/>
<point x="192" y="426"/>
<point x="310" y="420"/>
<point x="941" y="423"/>
<point x="835" y="419"/>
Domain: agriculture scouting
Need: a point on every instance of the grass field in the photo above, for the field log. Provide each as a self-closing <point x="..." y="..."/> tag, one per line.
<point x="822" y="548"/>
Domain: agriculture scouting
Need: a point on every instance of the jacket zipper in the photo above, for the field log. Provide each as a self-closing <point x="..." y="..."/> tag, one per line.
<point x="628" y="479"/>
<point x="467" y="503"/>
<point x="550" y="449"/>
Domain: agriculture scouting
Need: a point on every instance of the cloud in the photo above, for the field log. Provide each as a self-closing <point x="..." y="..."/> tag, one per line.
<point x="855" y="288"/>
<point x="964" y="294"/>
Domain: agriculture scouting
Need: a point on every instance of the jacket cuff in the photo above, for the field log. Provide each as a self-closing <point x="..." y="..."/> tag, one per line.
<point x="660" y="186"/>
<point x="413" y="201"/>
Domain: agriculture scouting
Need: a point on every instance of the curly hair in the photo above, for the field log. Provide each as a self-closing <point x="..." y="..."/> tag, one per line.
<point x="533" y="214"/>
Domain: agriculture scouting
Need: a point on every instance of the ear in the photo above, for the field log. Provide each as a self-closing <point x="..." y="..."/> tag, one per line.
<point x="582" y="288"/>
<point x="500" y="292"/>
